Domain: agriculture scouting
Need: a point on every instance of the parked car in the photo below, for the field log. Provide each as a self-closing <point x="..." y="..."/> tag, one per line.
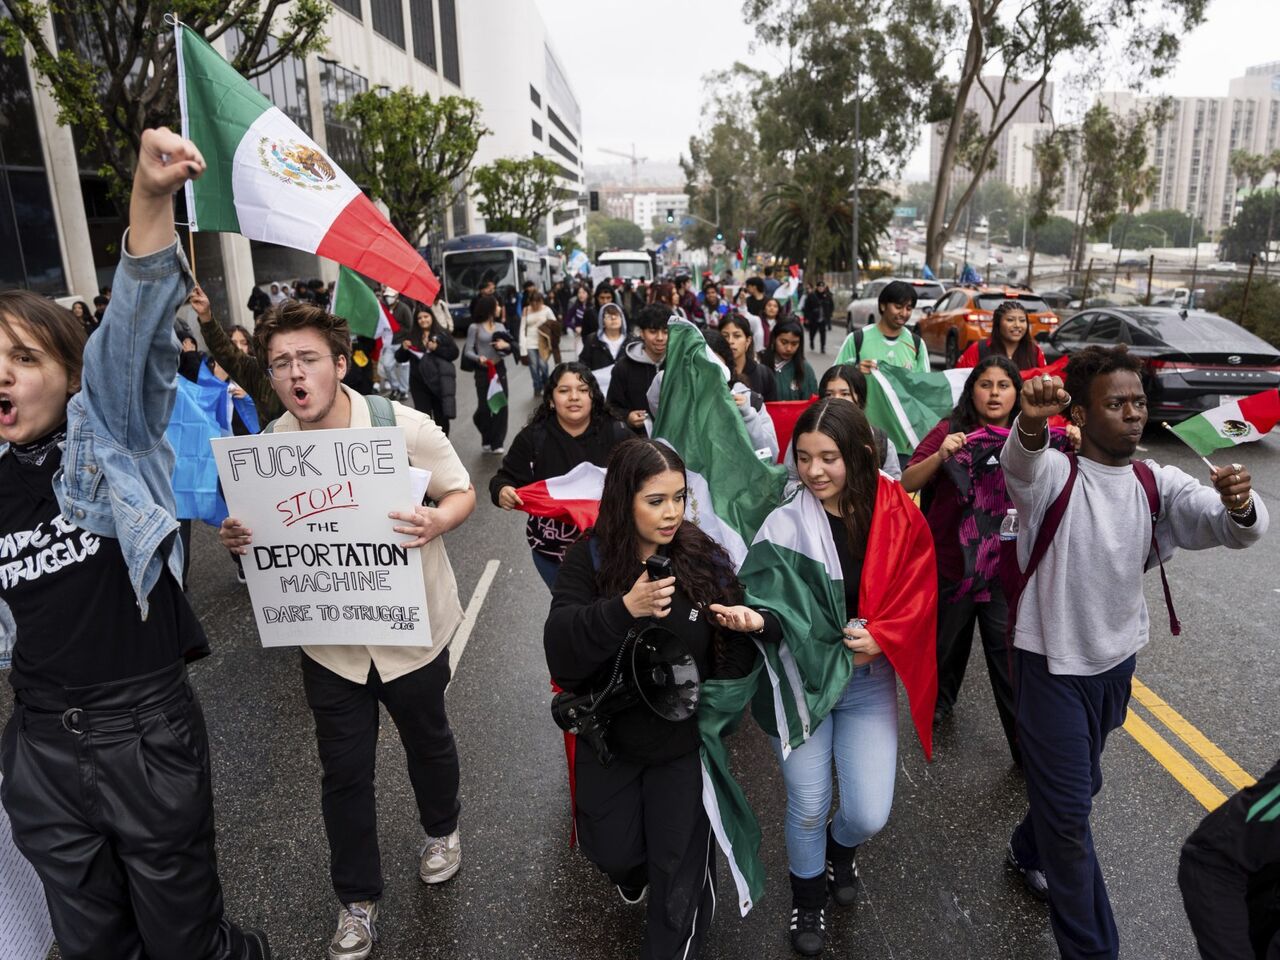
<point x="865" y="309"/>
<point x="963" y="317"/>
<point x="1195" y="359"/>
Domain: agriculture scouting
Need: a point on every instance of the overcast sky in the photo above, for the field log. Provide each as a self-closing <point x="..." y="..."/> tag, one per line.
<point x="637" y="68"/>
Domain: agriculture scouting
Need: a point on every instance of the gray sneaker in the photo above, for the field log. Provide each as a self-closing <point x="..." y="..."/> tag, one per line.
<point x="356" y="933"/>
<point x="441" y="858"/>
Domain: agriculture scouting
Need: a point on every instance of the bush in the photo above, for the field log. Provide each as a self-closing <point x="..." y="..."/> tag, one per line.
<point x="1263" y="318"/>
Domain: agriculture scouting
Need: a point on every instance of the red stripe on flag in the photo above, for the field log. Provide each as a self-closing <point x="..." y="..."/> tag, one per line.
<point x="784" y="414"/>
<point x="362" y="239"/>
<point x="1261" y="409"/>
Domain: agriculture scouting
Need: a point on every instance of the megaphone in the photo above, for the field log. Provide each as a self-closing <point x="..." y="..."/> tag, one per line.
<point x="653" y="667"/>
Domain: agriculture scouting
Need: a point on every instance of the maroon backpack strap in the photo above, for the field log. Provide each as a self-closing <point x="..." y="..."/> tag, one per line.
<point x="1148" y="480"/>
<point x="1048" y="529"/>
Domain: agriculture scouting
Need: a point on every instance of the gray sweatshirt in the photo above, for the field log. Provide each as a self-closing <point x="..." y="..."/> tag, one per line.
<point x="1083" y="608"/>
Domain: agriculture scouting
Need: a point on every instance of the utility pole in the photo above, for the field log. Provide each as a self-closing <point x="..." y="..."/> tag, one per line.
<point x="857" y="135"/>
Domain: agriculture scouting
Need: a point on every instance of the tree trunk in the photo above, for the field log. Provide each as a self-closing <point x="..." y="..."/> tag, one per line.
<point x="1115" y="274"/>
<point x="1031" y="261"/>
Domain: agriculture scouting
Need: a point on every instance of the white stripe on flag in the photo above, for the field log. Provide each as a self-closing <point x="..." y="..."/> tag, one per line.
<point x="699" y="509"/>
<point x="956" y="377"/>
<point x="797" y="685"/>
<point x="583" y="482"/>
<point x="711" y="804"/>
<point x="896" y="404"/>
<point x="779" y="711"/>
<point x="807" y="534"/>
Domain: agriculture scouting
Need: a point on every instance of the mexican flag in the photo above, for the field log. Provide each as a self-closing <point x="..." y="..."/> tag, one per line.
<point x="496" y="397"/>
<point x="742" y="249"/>
<point x="367" y="316"/>
<point x="906" y="404"/>
<point x="785" y="414"/>
<point x="573" y="497"/>
<point x="731" y="490"/>
<point x="269" y="181"/>
<point x="1240" y="421"/>
<point x="793" y="570"/>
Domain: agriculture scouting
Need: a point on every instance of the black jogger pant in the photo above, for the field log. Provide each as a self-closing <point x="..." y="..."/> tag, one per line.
<point x="1230" y="875"/>
<point x="111" y="803"/>
<point x="346" y="716"/>
<point x="644" y="823"/>
<point x="956" y="620"/>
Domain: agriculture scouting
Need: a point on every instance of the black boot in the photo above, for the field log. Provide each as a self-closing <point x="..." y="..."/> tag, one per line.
<point x="842" y="871"/>
<point x="808" y="915"/>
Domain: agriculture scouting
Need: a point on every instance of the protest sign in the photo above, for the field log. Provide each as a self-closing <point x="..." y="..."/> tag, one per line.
<point x="600" y="274"/>
<point x="325" y="565"/>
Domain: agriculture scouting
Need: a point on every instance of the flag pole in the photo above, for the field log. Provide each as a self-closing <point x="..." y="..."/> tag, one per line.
<point x="1165" y="424"/>
<point x="191" y="249"/>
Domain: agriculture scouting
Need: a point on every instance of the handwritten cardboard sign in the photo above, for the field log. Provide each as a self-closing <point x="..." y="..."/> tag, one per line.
<point x="325" y="565"/>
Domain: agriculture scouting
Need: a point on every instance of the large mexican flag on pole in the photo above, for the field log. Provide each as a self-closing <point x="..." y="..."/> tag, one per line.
<point x="267" y="180"/>
<point x="1236" y="422"/>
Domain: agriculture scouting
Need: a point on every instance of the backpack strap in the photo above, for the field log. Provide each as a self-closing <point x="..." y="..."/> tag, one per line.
<point x="381" y="413"/>
<point x="1148" y="480"/>
<point x="1048" y="530"/>
<point x="857" y="345"/>
<point x="984" y="350"/>
<point x="271" y="427"/>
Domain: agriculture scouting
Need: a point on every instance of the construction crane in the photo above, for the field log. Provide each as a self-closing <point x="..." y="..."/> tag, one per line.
<point x="635" y="160"/>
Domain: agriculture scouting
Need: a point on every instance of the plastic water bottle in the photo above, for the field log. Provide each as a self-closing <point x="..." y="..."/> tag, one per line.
<point x="1009" y="525"/>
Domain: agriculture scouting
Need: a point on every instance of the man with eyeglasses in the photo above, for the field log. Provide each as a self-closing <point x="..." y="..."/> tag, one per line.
<point x="306" y="351"/>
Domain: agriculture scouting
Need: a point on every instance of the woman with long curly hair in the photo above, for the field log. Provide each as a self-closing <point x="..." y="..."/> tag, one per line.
<point x="1010" y="337"/>
<point x="640" y="819"/>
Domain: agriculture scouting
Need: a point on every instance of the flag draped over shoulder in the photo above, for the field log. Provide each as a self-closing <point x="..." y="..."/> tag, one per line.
<point x="268" y="180"/>
<point x="731" y="490"/>
<point x="1235" y="422"/>
<point x="200" y="413"/>
<point x="793" y="570"/>
<point x="906" y="404"/>
<point x="733" y="822"/>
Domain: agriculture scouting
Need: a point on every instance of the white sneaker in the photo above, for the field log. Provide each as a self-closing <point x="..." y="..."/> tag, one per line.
<point x="496" y="450"/>
<point x="485" y="448"/>
<point x="356" y="934"/>
<point x="440" y="859"/>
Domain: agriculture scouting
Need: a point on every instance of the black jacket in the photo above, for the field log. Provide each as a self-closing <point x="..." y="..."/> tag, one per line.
<point x="629" y="386"/>
<point x="584" y="631"/>
<point x="760" y="379"/>
<point x="543" y="450"/>
<point x="818" y="308"/>
<point x="434" y="372"/>
<point x="596" y="355"/>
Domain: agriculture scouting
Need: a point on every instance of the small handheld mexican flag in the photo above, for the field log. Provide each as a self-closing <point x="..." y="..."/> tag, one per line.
<point x="366" y="315"/>
<point x="267" y="180"/>
<point x="1240" y="421"/>
<point x="496" y="397"/>
<point x="573" y="497"/>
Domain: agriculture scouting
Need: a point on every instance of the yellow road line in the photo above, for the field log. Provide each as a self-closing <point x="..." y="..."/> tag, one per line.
<point x="1209" y="751"/>
<point x="1196" y="783"/>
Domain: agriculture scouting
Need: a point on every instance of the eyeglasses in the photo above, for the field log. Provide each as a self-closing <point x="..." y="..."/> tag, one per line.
<point x="281" y="369"/>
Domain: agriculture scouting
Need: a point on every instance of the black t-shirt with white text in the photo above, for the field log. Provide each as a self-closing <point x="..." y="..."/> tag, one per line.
<point x="68" y="590"/>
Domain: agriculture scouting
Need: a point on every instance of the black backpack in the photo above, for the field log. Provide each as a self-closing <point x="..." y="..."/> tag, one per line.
<point x="857" y="343"/>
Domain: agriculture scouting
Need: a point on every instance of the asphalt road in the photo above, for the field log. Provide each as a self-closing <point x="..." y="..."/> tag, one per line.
<point x="934" y="881"/>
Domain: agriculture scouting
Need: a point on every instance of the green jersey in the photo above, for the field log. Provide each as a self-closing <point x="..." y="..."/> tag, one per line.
<point x="903" y="350"/>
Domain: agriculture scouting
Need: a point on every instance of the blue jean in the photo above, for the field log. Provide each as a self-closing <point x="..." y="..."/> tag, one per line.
<point x="538" y="371"/>
<point x="546" y="567"/>
<point x="861" y="735"/>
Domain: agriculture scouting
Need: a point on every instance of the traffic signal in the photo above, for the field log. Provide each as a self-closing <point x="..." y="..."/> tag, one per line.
<point x="559" y="246"/>
<point x="719" y="236"/>
<point x="594" y="199"/>
<point x="671" y="214"/>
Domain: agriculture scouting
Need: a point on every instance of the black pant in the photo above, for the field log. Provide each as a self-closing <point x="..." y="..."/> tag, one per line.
<point x="113" y="807"/>
<point x="1230" y="875"/>
<point x="492" y="426"/>
<point x="1063" y="722"/>
<point x="346" y="716"/>
<point x="644" y="823"/>
<point x="426" y="402"/>
<point x="818" y="329"/>
<point x="956" y="621"/>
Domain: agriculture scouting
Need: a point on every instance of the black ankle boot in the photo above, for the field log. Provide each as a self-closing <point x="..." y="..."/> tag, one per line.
<point x="808" y="915"/>
<point x="842" y="871"/>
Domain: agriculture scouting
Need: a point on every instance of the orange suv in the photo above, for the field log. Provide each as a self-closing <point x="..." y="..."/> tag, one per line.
<point x="963" y="316"/>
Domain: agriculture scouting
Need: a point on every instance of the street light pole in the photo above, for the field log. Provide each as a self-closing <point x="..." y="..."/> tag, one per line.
<point x="857" y="135"/>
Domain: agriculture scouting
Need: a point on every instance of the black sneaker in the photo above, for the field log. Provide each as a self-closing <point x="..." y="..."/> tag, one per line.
<point x="256" y="941"/>
<point x="842" y="881"/>
<point x="1034" y="880"/>
<point x="808" y="930"/>
<point x="632" y="895"/>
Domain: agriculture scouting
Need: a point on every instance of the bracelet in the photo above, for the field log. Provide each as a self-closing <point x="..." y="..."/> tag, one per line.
<point x="1240" y="513"/>
<point x="1029" y="436"/>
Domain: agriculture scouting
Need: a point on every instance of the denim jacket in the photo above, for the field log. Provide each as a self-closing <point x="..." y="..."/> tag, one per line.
<point x="117" y="466"/>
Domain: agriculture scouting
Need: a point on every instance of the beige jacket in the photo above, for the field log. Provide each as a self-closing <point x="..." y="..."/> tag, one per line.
<point x="428" y="449"/>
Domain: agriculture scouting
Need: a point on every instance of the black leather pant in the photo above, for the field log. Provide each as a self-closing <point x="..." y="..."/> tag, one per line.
<point x="107" y="790"/>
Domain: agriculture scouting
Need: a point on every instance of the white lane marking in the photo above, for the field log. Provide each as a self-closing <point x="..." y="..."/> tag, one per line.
<point x="459" y="642"/>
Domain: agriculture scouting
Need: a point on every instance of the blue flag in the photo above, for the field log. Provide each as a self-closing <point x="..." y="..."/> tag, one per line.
<point x="200" y="413"/>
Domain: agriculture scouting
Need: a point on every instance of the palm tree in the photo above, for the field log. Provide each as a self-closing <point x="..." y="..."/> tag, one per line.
<point x="1246" y="167"/>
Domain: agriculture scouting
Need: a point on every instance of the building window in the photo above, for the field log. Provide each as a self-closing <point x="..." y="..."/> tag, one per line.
<point x="388" y="20"/>
<point x="449" y="42"/>
<point x="422" y="18"/>
<point x="285" y="84"/>
<point x="537" y="129"/>
<point x="337" y="86"/>
<point x="551" y="115"/>
<point x="350" y="6"/>
<point x="561" y="149"/>
<point x="535" y="96"/>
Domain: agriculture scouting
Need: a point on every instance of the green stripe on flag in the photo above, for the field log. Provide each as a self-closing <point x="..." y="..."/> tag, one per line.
<point x="355" y="302"/>
<point x="218" y="107"/>
<point x="905" y="404"/>
<point x="497" y="397"/>
<point x="1201" y="435"/>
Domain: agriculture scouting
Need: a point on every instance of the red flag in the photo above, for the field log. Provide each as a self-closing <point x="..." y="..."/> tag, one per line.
<point x="898" y="598"/>
<point x="1056" y="369"/>
<point x="573" y="497"/>
<point x="784" y="414"/>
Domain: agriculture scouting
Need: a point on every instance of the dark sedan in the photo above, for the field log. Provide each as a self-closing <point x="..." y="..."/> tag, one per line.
<point x="1195" y="360"/>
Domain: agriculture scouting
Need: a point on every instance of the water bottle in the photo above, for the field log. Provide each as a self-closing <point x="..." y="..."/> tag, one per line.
<point x="1009" y="525"/>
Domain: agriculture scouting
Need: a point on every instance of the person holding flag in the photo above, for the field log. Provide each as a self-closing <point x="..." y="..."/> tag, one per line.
<point x="844" y="574"/>
<point x="641" y="818"/>
<point x="569" y="427"/>
<point x="487" y="347"/>
<point x="429" y="350"/>
<point x="885" y="342"/>
<point x="1073" y="660"/>
<point x="105" y="760"/>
